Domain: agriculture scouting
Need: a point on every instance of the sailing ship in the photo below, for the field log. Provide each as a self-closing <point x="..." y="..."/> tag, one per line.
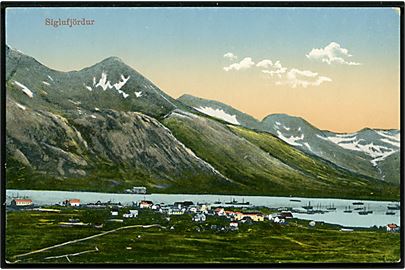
<point x="308" y="207"/>
<point x="331" y="208"/>
<point x="347" y="210"/>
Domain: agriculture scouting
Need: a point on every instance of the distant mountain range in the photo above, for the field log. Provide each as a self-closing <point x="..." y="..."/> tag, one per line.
<point x="371" y="152"/>
<point x="108" y="128"/>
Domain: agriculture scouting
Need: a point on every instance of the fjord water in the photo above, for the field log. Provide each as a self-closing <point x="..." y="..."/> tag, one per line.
<point x="377" y="218"/>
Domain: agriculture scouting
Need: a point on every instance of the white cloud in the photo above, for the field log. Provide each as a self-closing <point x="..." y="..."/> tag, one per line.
<point x="246" y="63"/>
<point x="272" y="68"/>
<point x="230" y="56"/>
<point x="303" y="78"/>
<point x="265" y="63"/>
<point x="332" y="53"/>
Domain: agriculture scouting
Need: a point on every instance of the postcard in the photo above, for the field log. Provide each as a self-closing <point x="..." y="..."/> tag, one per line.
<point x="210" y="134"/>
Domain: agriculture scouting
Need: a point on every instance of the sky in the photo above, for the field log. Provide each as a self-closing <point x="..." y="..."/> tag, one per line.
<point x="338" y="68"/>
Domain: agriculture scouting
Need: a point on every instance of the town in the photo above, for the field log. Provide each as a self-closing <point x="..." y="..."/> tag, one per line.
<point x="197" y="212"/>
<point x="70" y="231"/>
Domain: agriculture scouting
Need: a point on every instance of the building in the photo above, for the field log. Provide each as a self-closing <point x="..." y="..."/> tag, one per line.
<point x="254" y="216"/>
<point x="234" y="225"/>
<point x="74" y="202"/>
<point x="21" y="202"/>
<point x="199" y="217"/>
<point x="175" y="211"/>
<point x="145" y="204"/>
<point x="219" y="211"/>
<point x="392" y="227"/>
<point x="131" y="214"/>
<point x="114" y="213"/>
<point x="139" y="190"/>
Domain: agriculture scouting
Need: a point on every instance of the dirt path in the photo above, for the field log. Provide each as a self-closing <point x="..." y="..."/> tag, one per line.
<point x="88" y="238"/>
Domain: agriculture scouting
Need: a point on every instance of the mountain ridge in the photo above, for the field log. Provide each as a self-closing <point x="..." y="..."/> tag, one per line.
<point x="108" y="128"/>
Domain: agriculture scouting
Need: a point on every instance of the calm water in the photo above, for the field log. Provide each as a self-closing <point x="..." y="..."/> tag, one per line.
<point x="378" y="218"/>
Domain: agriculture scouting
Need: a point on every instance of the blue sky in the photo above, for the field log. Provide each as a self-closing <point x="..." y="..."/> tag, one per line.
<point x="181" y="49"/>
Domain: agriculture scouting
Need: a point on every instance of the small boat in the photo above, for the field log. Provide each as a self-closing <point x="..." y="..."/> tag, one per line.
<point x="347" y="210"/>
<point x="331" y="208"/>
<point x="390" y="213"/>
<point x="358" y="203"/>
<point x="233" y="201"/>
<point x="295" y="200"/>
<point x="358" y="208"/>
<point x="365" y="212"/>
<point x="242" y="203"/>
<point x="393" y="207"/>
<point x="217" y="202"/>
<point x="308" y="207"/>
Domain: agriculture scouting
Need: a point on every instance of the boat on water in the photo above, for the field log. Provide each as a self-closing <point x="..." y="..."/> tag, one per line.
<point x="358" y="208"/>
<point x="243" y="202"/>
<point x="295" y="200"/>
<point x="235" y="202"/>
<point x="358" y="203"/>
<point x="390" y="213"/>
<point x="393" y="207"/>
<point x="347" y="210"/>
<point x="365" y="212"/>
<point x="217" y="202"/>
<point x="308" y="207"/>
<point x="232" y="201"/>
<point x="331" y="208"/>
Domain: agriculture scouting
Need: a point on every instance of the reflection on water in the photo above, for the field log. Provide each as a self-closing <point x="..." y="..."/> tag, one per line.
<point x="327" y="210"/>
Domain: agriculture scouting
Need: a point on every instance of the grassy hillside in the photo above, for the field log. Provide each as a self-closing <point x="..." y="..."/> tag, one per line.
<point x="265" y="165"/>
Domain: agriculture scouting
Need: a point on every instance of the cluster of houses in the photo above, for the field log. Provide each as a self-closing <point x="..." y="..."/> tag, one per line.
<point x="199" y="211"/>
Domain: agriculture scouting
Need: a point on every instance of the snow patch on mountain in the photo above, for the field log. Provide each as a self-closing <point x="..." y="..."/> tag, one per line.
<point x="105" y="84"/>
<point x="25" y="89"/>
<point x="342" y="139"/>
<point x="292" y="140"/>
<point x="377" y="152"/>
<point x="389" y="136"/>
<point x="396" y="144"/>
<point x="308" y="146"/>
<point x="218" y="113"/>
<point x="122" y="82"/>
<point x="22" y="107"/>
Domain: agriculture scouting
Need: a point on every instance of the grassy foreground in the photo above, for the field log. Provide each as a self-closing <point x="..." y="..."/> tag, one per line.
<point x="180" y="240"/>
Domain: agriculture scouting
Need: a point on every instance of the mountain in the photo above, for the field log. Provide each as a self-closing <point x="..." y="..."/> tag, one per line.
<point x="263" y="164"/>
<point x="361" y="152"/>
<point x="62" y="134"/>
<point x="220" y="111"/>
<point x="110" y="84"/>
<point x="107" y="128"/>
<point x="374" y="153"/>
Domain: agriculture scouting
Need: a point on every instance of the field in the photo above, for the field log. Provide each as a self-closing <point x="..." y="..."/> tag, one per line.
<point x="180" y="240"/>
